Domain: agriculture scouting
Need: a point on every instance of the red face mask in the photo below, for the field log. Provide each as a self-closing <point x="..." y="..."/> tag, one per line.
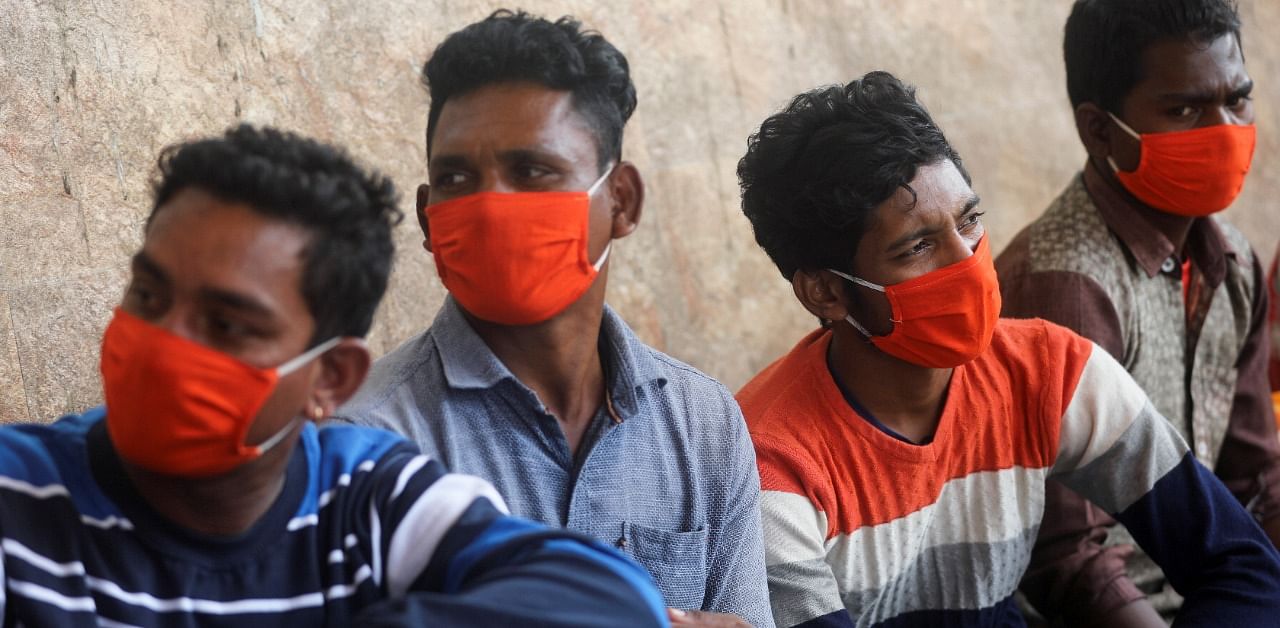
<point x="942" y="318"/>
<point x="515" y="259"/>
<point x="180" y="408"/>
<point x="1190" y="173"/>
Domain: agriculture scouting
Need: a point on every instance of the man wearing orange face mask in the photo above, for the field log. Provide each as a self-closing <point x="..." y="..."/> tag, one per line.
<point x="905" y="446"/>
<point x="203" y="494"/>
<point x="525" y="377"/>
<point x="1132" y="256"/>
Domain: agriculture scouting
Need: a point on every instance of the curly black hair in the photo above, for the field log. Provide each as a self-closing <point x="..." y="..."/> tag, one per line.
<point x="815" y="172"/>
<point x="515" y="47"/>
<point x="1104" y="40"/>
<point x="348" y="212"/>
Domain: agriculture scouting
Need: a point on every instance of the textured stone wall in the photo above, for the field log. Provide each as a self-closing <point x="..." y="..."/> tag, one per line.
<point x="90" y="90"/>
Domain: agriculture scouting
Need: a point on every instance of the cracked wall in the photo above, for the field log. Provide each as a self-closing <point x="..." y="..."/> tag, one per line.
<point x="92" y="89"/>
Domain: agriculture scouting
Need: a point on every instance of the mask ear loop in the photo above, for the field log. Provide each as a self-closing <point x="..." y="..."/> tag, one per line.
<point x="591" y="192"/>
<point x="285" y="369"/>
<point x="1127" y="129"/>
<point x="309" y="355"/>
<point x="866" y="284"/>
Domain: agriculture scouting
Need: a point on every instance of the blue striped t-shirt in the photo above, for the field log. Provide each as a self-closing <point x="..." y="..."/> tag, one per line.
<point x="364" y="528"/>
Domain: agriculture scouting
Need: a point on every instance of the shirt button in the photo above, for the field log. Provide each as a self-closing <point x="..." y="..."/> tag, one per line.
<point x="1168" y="265"/>
<point x="622" y="542"/>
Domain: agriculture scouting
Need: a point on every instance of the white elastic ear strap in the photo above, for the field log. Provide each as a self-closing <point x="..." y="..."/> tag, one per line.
<point x="595" y="186"/>
<point x="1125" y="127"/>
<point x="603" y="256"/>
<point x="860" y="282"/>
<point x="311" y="354"/>
<point x="862" y="330"/>
<point x="266" y="445"/>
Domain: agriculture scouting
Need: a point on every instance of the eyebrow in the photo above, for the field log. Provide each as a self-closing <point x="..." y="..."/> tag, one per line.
<point x="244" y="303"/>
<point x="1209" y="96"/>
<point x="141" y="262"/>
<point x="512" y="156"/>
<point x="236" y="301"/>
<point x="965" y="209"/>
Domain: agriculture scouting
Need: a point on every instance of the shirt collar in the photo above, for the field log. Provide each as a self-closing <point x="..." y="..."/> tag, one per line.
<point x="468" y="362"/>
<point x="1206" y="245"/>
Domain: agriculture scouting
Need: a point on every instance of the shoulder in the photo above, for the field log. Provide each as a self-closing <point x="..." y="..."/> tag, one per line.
<point x="1034" y="361"/>
<point x="685" y="392"/>
<point x="1072" y="236"/>
<point x="1235" y="240"/>
<point x="340" y="452"/>
<point x="785" y="388"/>
<point x="394" y="378"/>
<point x="1036" y="345"/>
<point x="41" y="454"/>
<point x="1246" y="267"/>
<point x="685" y="381"/>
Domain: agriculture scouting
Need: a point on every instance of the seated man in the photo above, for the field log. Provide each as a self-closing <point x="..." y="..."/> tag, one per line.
<point x="203" y="494"/>
<point x="1273" y="320"/>
<point x="1132" y="256"/>
<point x="525" y="377"/>
<point x="904" y="446"/>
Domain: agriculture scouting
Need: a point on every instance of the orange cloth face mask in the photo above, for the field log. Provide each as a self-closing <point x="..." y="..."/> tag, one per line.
<point x="943" y="318"/>
<point x="180" y="408"/>
<point x="1191" y="173"/>
<point x="515" y="259"/>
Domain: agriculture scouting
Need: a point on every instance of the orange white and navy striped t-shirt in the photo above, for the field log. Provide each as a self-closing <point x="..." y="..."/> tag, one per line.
<point x="862" y="528"/>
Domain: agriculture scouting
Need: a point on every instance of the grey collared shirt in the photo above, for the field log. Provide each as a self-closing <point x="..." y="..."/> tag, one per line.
<point x="671" y="480"/>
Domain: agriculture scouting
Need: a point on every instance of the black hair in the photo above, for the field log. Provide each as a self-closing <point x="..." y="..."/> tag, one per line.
<point x="348" y="212"/>
<point x="515" y="47"/>
<point x="815" y="172"/>
<point x="1104" y="40"/>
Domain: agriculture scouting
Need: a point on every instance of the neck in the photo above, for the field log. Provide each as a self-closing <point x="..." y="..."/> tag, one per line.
<point x="1172" y="226"/>
<point x="906" y="397"/>
<point x="223" y="505"/>
<point x="558" y="359"/>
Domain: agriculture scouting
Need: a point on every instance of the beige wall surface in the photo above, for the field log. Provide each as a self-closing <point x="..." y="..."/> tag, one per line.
<point x="90" y="90"/>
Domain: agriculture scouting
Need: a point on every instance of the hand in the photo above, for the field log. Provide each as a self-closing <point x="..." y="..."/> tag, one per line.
<point x="703" y="618"/>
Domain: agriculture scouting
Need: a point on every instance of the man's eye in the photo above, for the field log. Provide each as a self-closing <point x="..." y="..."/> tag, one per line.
<point x="449" y="179"/>
<point x="973" y="219"/>
<point x="1236" y="102"/>
<point x="529" y="171"/>
<point x="142" y="297"/>
<point x="227" y="328"/>
<point x="1183" y="111"/>
<point x="918" y="248"/>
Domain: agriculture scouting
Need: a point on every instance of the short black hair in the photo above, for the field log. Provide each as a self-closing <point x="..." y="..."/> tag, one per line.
<point x="348" y="212"/>
<point x="515" y="47"/>
<point x="1104" y="40"/>
<point x="815" y="172"/>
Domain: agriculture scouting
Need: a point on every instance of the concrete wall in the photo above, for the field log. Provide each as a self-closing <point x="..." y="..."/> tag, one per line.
<point x="90" y="90"/>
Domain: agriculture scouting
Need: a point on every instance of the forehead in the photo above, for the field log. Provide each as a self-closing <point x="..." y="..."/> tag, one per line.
<point x="939" y="189"/>
<point x="1187" y="65"/>
<point x="513" y="116"/>
<point x="202" y="242"/>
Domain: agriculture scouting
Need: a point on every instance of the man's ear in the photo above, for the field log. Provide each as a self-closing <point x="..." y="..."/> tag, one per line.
<point x="342" y="370"/>
<point x="626" y="190"/>
<point x="424" y="195"/>
<point x="1094" y="127"/>
<point x="820" y="292"/>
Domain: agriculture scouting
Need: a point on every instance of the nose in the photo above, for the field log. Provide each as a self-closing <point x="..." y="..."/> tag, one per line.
<point x="495" y="182"/>
<point x="177" y="322"/>
<point x="1226" y="115"/>
<point x="959" y="247"/>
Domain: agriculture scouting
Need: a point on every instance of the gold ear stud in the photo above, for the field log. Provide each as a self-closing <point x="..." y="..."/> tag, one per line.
<point x="317" y="413"/>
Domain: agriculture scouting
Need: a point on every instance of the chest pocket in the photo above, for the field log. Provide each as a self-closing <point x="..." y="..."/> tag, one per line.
<point x="677" y="561"/>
